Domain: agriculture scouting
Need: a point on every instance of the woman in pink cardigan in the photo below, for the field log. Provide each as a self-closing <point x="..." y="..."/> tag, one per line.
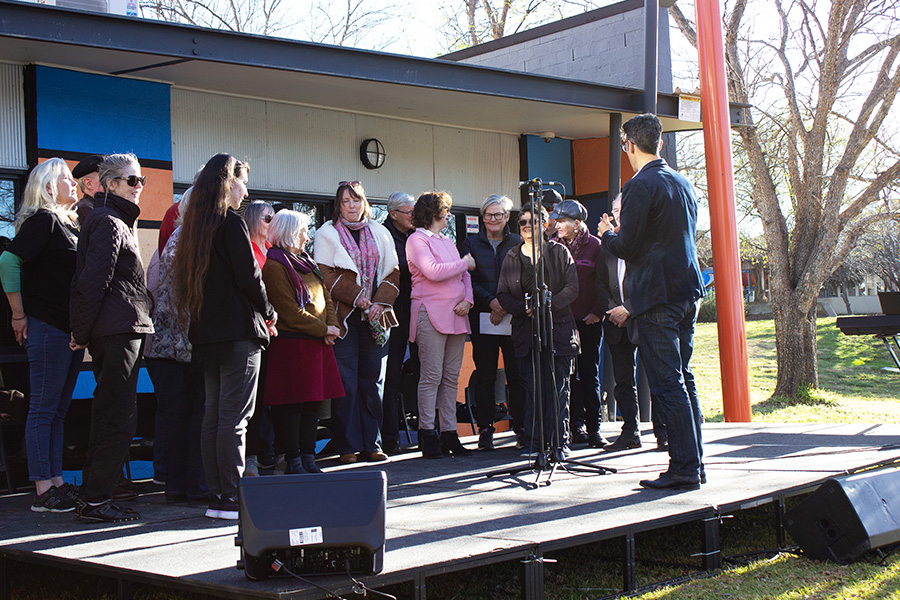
<point x="441" y="299"/>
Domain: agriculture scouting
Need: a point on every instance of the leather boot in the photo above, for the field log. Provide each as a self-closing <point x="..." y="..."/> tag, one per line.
<point x="450" y="443"/>
<point x="294" y="466"/>
<point x="431" y="447"/>
<point x="309" y="463"/>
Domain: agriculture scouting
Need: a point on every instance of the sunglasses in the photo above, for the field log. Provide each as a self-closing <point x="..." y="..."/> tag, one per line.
<point x="524" y="222"/>
<point x="132" y="180"/>
<point x="267" y="218"/>
<point x="350" y="183"/>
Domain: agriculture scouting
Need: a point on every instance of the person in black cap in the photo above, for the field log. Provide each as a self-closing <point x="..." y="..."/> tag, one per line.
<point x="87" y="174"/>
<point x="571" y="230"/>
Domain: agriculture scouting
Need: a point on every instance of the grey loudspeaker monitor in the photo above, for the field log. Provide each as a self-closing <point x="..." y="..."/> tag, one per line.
<point x="846" y="517"/>
<point x="312" y="524"/>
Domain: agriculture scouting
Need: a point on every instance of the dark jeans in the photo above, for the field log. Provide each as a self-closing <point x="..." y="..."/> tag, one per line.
<point x="295" y="427"/>
<point x="586" y="387"/>
<point x="230" y="381"/>
<point x="52" y="370"/>
<point x="562" y="369"/>
<point x="486" y="355"/>
<point x="667" y="342"/>
<point x="624" y="355"/>
<point x="260" y="432"/>
<point x="179" y="388"/>
<point x="113" y="412"/>
<point x="356" y="418"/>
<point x="390" y="424"/>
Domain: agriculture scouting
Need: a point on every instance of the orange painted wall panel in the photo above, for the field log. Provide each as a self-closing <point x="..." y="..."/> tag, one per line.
<point x="591" y="161"/>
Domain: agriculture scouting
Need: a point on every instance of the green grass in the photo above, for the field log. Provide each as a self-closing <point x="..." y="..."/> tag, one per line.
<point x="853" y="389"/>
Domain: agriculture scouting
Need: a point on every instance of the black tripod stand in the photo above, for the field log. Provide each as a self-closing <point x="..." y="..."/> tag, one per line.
<point x="539" y="301"/>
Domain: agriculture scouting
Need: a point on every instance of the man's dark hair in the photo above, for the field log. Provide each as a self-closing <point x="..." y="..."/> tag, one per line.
<point x="645" y="131"/>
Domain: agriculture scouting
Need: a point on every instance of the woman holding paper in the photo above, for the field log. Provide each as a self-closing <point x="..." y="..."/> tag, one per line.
<point x="489" y="247"/>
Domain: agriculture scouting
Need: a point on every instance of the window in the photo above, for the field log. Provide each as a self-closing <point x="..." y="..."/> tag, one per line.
<point x="7" y="208"/>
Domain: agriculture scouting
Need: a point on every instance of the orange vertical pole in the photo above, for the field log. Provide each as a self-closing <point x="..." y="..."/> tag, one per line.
<point x="720" y="180"/>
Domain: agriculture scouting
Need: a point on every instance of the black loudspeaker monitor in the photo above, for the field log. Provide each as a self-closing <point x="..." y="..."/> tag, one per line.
<point x="847" y="517"/>
<point x="312" y="524"/>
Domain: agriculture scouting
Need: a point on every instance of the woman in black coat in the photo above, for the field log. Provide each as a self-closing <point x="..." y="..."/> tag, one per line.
<point x="557" y="359"/>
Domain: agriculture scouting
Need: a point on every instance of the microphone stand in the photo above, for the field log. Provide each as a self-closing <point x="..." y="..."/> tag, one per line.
<point x="550" y="454"/>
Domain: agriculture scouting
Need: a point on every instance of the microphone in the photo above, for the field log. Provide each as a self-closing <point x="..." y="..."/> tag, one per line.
<point x="537" y="180"/>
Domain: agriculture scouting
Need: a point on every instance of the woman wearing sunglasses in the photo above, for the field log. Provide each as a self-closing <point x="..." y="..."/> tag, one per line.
<point x="360" y="268"/>
<point x="517" y="280"/>
<point x="260" y="450"/>
<point x="36" y="270"/>
<point x="219" y="288"/>
<point x="110" y="314"/>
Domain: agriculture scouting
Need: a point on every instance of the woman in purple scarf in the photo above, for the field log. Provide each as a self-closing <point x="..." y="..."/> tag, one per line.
<point x="359" y="265"/>
<point x="301" y="370"/>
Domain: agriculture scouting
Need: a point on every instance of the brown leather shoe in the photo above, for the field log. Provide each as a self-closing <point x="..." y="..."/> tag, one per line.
<point x="373" y="456"/>
<point x="348" y="459"/>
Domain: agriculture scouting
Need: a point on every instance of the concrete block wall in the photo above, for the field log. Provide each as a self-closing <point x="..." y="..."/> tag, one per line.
<point x="608" y="51"/>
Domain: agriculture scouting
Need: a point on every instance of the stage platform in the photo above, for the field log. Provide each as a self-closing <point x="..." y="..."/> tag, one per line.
<point x="446" y="515"/>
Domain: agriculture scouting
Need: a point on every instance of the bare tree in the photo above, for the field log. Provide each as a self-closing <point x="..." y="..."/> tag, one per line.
<point x="473" y="22"/>
<point x="342" y="23"/>
<point x="879" y="250"/>
<point x="817" y="149"/>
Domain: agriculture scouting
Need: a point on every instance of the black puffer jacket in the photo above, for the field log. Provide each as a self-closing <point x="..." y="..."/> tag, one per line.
<point x="402" y="303"/>
<point x="562" y="279"/>
<point x="109" y="293"/>
<point x="487" y="269"/>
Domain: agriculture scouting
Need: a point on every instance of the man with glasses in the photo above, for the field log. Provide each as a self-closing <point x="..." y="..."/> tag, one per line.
<point x="656" y="239"/>
<point x="489" y="247"/>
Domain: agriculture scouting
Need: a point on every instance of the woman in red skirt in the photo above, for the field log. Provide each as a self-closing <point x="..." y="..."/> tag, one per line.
<point x="302" y="370"/>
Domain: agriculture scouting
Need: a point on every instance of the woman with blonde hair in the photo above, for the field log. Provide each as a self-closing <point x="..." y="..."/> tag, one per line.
<point x="219" y="288"/>
<point x="36" y="271"/>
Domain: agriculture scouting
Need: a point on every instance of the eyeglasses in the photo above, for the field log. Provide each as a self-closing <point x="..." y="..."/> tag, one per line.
<point x="494" y="216"/>
<point x="267" y="218"/>
<point x="625" y="145"/>
<point x="403" y="212"/>
<point x="350" y="183"/>
<point x="132" y="180"/>
<point x="524" y="222"/>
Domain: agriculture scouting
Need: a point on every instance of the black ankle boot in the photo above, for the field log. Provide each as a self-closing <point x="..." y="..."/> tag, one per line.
<point x="294" y="466"/>
<point x="309" y="463"/>
<point x="431" y="447"/>
<point x="450" y="443"/>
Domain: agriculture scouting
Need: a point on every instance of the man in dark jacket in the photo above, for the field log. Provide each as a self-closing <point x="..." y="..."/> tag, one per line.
<point x="87" y="173"/>
<point x="399" y="224"/>
<point x="657" y="240"/>
<point x="489" y="247"/>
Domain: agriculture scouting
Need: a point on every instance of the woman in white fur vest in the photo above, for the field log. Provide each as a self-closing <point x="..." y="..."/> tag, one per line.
<point x="360" y="269"/>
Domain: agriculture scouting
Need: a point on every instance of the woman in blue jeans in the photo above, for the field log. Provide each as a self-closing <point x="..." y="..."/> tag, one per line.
<point x="36" y="271"/>
<point x="219" y="288"/>
<point x="359" y="264"/>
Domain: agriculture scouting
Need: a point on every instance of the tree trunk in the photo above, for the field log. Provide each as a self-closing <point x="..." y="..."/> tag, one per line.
<point x="795" y="342"/>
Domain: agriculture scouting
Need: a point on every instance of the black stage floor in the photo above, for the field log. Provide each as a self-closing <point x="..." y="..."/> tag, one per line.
<point x="445" y="515"/>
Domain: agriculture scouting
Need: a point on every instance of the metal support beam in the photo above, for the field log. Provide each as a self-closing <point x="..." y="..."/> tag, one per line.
<point x="779" y="521"/>
<point x="615" y="159"/>
<point x="4" y="578"/>
<point x="723" y="220"/>
<point x="533" y="577"/>
<point x="125" y="589"/>
<point x="419" y="586"/>
<point x="651" y="54"/>
<point x="629" y="576"/>
<point x="712" y="553"/>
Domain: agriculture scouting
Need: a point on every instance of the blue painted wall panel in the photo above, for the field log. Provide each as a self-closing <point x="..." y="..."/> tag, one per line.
<point x="98" y="114"/>
<point x="550" y="161"/>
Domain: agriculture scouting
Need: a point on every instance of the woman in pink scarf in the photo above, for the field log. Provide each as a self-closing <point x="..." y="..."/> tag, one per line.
<point x="360" y="269"/>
